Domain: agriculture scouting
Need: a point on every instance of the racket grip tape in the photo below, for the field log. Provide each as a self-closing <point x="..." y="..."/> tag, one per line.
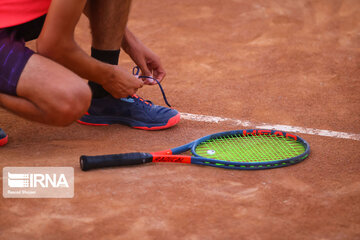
<point x="113" y="160"/>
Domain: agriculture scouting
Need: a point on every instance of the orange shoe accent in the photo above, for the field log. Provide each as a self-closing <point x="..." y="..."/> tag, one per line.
<point x="172" y="122"/>
<point x="4" y="141"/>
<point x="92" y="124"/>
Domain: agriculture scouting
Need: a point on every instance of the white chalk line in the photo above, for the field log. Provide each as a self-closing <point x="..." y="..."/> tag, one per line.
<point x="285" y="128"/>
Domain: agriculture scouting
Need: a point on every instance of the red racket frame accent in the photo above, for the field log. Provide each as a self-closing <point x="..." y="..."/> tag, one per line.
<point x="166" y="156"/>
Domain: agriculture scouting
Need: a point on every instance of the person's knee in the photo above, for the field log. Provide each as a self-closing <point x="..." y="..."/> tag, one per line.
<point x="73" y="103"/>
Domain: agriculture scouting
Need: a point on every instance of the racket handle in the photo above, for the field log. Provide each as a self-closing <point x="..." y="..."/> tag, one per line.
<point x="113" y="160"/>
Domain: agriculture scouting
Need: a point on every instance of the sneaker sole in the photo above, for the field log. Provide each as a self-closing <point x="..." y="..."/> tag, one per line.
<point x="91" y="120"/>
<point x="4" y="141"/>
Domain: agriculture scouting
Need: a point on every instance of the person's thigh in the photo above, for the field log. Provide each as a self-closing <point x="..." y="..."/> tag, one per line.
<point x="38" y="88"/>
<point x="52" y="87"/>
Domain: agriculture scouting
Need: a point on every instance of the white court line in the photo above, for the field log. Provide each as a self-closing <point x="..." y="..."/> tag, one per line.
<point x="285" y="128"/>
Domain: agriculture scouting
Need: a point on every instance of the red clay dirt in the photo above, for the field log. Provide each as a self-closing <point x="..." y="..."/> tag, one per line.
<point x="281" y="62"/>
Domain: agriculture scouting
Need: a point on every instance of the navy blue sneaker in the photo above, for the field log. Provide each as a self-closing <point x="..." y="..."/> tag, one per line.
<point x="3" y="138"/>
<point x="133" y="111"/>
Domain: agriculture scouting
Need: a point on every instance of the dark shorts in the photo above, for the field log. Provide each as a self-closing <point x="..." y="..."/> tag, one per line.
<point x="14" y="54"/>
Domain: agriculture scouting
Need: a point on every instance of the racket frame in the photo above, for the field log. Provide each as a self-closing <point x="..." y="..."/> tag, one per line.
<point x="172" y="155"/>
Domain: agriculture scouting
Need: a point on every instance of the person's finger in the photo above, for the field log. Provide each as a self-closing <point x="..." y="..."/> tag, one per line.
<point x="159" y="73"/>
<point x="145" y="71"/>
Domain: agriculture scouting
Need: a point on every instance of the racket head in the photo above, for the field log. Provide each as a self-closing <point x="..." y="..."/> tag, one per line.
<point x="250" y="149"/>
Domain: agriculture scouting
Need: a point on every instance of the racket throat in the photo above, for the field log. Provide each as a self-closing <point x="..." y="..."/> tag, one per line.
<point x="171" y="158"/>
<point x="165" y="152"/>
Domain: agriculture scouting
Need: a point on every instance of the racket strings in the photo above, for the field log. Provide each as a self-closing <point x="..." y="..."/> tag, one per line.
<point x="249" y="148"/>
<point x="277" y="147"/>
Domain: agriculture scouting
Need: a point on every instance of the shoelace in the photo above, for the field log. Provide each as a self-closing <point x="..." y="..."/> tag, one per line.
<point x="136" y="71"/>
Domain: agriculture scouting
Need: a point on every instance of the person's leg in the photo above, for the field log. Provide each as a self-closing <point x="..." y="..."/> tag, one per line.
<point x="108" y="20"/>
<point x="37" y="88"/>
<point x="48" y="93"/>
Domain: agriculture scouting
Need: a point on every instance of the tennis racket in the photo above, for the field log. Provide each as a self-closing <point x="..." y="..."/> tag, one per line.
<point x="240" y="149"/>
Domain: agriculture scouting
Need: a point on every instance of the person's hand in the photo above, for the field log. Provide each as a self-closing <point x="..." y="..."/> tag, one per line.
<point x="121" y="83"/>
<point x="149" y="63"/>
<point x="147" y="60"/>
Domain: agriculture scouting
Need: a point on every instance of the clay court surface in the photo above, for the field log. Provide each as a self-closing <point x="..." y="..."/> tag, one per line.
<point x="294" y="63"/>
